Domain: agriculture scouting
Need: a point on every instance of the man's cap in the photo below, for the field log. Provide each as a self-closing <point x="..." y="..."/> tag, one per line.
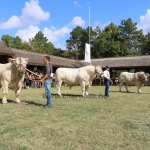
<point x="107" y="67"/>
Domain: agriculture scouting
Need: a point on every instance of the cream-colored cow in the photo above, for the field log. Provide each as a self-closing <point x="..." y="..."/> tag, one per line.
<point x="128" y="79"/>
<point x="12" y="77"/>
<point x="79" y="76"/>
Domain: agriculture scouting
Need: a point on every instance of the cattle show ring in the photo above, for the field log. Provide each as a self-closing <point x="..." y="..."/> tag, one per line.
<point x="81" y="117"/>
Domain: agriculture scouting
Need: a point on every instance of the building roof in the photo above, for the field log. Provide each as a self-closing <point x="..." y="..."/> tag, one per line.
<point x="123" y="62"/>
<point x="5" y="50"/>
<point x="114" y="62"/>
<point x="37" y="59"/>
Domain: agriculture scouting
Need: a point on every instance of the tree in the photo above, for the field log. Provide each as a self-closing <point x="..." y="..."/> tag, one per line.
<point x="107" y="44"/>
<point x="74" y="42"/>
<point x="7" y="39"/>
<point x="25" y="46"/>
<point x="146" y="45"/>
<point x="130" y="37"/>
<point x="38" y="42"/>
<point x="17" y="42"/>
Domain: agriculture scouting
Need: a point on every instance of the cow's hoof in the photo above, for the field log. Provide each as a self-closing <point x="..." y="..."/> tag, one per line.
<point x="127" y="91"/>
<point x="18" y="102"/>
<point x="4" y="103"/>
<point x="86" y="96"/>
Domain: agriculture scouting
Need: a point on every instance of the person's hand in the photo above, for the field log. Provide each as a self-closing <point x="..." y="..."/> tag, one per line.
<point x="41" y="80"/>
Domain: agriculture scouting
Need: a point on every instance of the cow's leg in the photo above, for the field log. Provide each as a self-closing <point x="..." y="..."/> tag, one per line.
<point x="83" y="88"/>
<point x="86" y="90"/>
<point x="139" y="88"/>
<point x="58" y="85"/>
<point x="120" y="85"/>
<point x="5" y="93"/>
<point x="17" y="92"/>
<point x="126" y="87"/>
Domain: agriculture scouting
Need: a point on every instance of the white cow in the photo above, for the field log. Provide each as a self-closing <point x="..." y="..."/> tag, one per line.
<point x="127" y="78"/>
<point x="12" y="76"/>
<point x="79" y="76"/>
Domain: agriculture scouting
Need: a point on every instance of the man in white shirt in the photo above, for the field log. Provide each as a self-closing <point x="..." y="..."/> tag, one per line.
<point x="107" y="80"/>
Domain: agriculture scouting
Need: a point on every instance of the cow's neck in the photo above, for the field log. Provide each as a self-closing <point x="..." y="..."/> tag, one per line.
<point x="91" y="72"/>
<point x="92" y="77"/>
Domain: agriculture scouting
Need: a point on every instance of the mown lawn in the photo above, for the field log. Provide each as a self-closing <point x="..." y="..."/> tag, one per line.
<point x="120" y="122"/>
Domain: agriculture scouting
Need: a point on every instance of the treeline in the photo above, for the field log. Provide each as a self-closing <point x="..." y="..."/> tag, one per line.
<point x="112" y="41"/>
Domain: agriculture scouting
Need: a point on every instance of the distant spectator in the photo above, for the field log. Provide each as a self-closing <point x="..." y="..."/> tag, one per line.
<point x="8" y="60"/>
<point x="26" y="81"/>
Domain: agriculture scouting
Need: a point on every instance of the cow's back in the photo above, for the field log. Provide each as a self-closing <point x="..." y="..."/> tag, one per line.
<point x="128" y="78"/>
<point x="68" y="75"/>
<point x="73" y="76"/>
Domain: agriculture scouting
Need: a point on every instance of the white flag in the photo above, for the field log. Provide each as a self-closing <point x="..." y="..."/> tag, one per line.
<point x="87" y="53"/>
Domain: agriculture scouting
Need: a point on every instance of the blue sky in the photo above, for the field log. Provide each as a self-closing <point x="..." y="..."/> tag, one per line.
<point x="57" y="18"/>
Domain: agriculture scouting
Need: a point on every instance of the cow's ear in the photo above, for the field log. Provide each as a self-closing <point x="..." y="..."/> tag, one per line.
<point x="12" y="60"/>
<point x="97" y="69"/>
<point x="140" y="73"/>
<point x="26" y="59"/>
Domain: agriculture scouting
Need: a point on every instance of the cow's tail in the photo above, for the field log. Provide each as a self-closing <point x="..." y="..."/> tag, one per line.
<point x="55" y="85"/>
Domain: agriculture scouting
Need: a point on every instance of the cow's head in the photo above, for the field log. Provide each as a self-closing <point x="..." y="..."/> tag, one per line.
<point x="20" y="63"/>
<point x="99" y="71"/>
<point x="143" y="76"/>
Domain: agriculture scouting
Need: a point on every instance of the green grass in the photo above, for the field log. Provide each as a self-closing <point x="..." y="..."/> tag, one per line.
<point x="120" y="122"/>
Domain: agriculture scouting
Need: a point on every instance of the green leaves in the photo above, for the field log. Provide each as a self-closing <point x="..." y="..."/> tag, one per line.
<point x="112" y="41"/>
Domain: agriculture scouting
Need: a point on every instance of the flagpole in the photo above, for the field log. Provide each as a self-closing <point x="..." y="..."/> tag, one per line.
<point x="89" y="32"/>
<point x="89" y="25"/>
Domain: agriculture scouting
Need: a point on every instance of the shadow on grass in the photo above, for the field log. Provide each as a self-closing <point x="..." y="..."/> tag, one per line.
<point x="28" y="102"/>
<point x="32" y="103"/>
<point x="11" y="101"/>
<point x="122" y="92"/>
<point x="8" y="101"/>
<point x="128" y="92"/>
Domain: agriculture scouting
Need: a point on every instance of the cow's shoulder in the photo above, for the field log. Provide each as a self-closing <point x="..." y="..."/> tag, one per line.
<point x="5" y="67"/>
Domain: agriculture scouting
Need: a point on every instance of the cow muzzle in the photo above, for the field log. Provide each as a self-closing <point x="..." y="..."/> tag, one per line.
<point x="20" y="66"/>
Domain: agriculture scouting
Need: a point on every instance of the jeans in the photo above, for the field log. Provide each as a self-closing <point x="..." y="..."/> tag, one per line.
<point x="25" y="84"/>
<point x="107" y="84"/>
<point x="47" y="85"/>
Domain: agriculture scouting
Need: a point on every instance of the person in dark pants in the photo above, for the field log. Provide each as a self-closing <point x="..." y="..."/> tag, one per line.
<point x="47" y="81"/>
<point x="26" y="80"/>
<point x="107" y="80"/>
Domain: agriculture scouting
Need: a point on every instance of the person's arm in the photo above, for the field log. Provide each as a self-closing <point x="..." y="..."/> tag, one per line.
<point x="43" y="78"/>
<point x="47" y="73"/>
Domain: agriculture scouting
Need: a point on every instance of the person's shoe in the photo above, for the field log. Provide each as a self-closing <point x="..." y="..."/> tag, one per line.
<point x="47" y="106"/>
<point x="107" y="95"/>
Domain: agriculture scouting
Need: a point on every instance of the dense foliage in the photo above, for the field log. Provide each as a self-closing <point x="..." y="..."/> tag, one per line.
<point x="112" y="41"/>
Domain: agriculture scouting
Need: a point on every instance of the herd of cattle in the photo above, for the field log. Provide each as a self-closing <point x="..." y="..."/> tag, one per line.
<point x="12" y="77"/>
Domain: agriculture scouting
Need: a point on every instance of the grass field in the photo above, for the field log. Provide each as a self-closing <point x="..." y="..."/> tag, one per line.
<point x="120" y="122"/>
